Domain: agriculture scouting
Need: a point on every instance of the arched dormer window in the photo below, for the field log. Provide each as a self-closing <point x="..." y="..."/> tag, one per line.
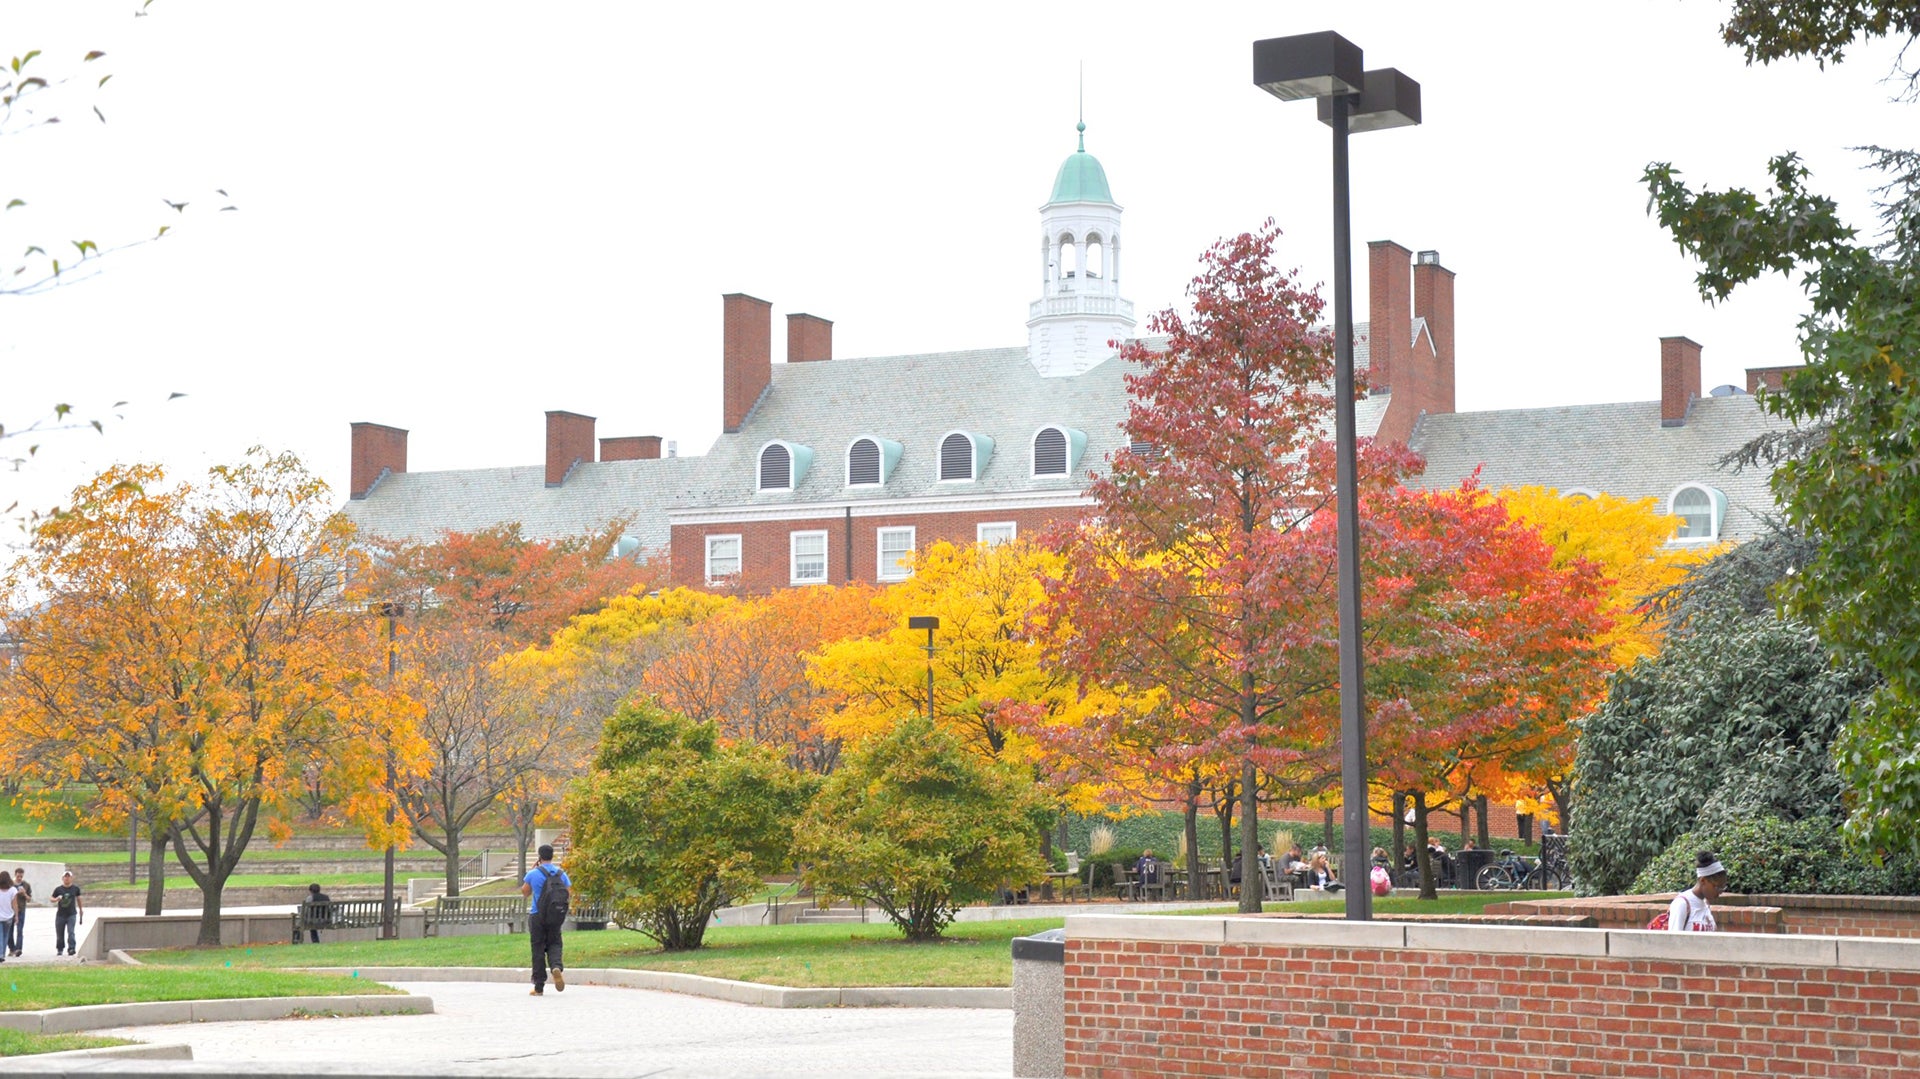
<point x="1702" y="511"/>
<point x="1578" y="494"/>
<point x="782" y="464"/>
<point x="870" y="461"/>
<point x="1056" y="451"/>
<point x="963" y="456"/>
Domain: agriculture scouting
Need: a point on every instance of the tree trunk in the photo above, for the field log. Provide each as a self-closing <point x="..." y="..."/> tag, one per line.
<point x="1399" y="833"/>
<point x="1480" y="810"/>
<point x="453" y="861"/>
<point x="1250" y="897"/>
<point x="1326" y="833"/>
<point x="1225" y="816"/>
<point x="156" y="872"/>
<point x="1562" y="805"/>
<point x="1193" y="836"/>
<point x="1420" y="851"/>
<point x="1046" y="855"/>
<point x="1466" y="821"/>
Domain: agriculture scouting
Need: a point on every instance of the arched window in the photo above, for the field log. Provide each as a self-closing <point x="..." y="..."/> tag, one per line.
<point x="1096" y="256"/>
<point x="776" y="468"/>
<point x="1701" y="511"/>
<point x="1069" y="257"/>
<point x="863" y="463"/>
<point x="956" y="457"/>
<point x="1050" y="452"/>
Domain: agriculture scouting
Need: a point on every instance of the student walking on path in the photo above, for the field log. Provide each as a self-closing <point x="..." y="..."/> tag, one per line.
<point x="67" y="912"/>
<point x="7" y="896"/>
<point x="550" y="894"/>
<point x="23" y="894"/>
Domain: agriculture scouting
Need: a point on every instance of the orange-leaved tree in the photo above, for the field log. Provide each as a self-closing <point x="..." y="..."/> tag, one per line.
<point x="1481" y="648"/>
<point x="192" y="652"/>
<point x="469" y="600"/>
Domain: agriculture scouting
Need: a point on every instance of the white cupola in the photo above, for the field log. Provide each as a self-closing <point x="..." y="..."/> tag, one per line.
<point x="1080" y="311"/>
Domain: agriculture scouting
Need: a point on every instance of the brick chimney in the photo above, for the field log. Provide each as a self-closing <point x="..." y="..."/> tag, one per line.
<point x="809" y="338"/>
<point x="569" y="442"/>
<point x="747" y="362"/>
<point x="1389" y="312"/>
<point x="377" y="450"/>
<point x="1433" y="301"/>
<point x="1679" y="379"/>
<point x="630" y="448"/>
<point x="1770" y="377"/>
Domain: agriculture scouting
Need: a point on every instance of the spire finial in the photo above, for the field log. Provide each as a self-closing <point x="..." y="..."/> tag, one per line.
<point x="1081" y="127"/>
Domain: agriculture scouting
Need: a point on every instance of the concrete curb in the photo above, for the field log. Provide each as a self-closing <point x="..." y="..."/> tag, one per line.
<point x="170" y="1051"/>
<point x="157" y="1012"/>
<point x="754" y="993"/>
<point x="121" y="957"/>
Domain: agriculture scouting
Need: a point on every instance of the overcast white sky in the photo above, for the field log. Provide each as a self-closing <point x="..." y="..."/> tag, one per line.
<point x="454" y="216"/>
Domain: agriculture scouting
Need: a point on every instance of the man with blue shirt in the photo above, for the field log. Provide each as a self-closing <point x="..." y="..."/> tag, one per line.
<point x="545" y="934"/>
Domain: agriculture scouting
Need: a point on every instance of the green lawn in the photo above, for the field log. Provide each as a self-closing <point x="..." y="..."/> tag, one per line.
<point x="59" y="824"/>
<point x="974" y="953"/>
<point x="33" y="988"/>
<point x="15" y="1043"/>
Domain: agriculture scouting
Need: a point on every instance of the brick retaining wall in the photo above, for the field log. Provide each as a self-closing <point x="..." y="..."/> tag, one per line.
<point x="1819" y="915"/>
<point x="1164" y="996"/>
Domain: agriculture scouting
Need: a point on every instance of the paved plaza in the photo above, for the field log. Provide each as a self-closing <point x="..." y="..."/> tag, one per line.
<point x="497" y="1029"/>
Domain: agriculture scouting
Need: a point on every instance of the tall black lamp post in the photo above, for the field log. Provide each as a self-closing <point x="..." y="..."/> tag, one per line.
<point x="1330" y="69"/>
<point x="929" y="623"/>
<point x="389" y="911"/>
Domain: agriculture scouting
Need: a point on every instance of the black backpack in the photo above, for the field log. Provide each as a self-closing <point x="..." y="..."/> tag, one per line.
<point x="555" y="899"/>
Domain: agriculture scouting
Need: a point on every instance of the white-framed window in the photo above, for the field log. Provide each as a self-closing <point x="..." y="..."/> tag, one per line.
<point x="895" y="548"/>
<point x="1578" y="494"/>
<point x="863" y="463"/>
<point x="807" y="553"/>
<point x="776" y="468"/>
<point x="1701" y="510"/>
<point x="994" y="533"/>
<point x="723" y="558"/>
<point x="956" y="457"/>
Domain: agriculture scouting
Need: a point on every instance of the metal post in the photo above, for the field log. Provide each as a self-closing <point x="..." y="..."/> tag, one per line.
<point x="929" y="675"/>
<point x="1353" y="726"/>
<point x="389" y="914"/>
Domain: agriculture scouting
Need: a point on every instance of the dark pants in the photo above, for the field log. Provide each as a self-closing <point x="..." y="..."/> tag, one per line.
<point x="546" y="949"/>
<point x="63" y="931"/>
<point x="18" y="934"/>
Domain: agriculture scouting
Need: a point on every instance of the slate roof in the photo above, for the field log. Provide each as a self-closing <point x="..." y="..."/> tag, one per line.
<point x="422" y="505"/>
<point x="1618" y="449"/>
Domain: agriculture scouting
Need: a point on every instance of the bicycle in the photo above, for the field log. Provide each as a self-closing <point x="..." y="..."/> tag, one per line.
<point x="1514" y="873"/>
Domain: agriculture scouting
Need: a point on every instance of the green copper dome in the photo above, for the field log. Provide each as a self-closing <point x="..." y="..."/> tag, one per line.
<point x="1081" y="178"/>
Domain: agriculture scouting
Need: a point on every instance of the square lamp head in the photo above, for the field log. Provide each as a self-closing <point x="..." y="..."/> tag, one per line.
<point x="1308" y="65"/>
<point x="1389" y="99"/>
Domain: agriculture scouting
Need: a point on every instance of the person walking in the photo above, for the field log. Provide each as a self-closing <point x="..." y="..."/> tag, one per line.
<point x="68" y="910"/>
<point x="549" y="894"/>
<point x="1692" y="910"/>
<point x="22" y="895"/>
<point x="7" y="895"/>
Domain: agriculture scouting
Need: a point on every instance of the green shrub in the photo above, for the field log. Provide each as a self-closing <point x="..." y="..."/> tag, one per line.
<point x="1770" y="856"/>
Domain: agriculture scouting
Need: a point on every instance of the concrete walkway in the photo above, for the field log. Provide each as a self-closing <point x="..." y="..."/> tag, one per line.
<point x="487" y="1029"/>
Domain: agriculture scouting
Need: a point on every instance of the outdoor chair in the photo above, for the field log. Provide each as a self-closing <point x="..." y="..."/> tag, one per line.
<point x="1080" y="881"/>
<point x="1277" y="885"/>
<point x="1123" y="882"/>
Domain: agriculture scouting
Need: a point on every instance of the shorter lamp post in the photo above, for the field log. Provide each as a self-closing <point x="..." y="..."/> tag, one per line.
<point x="929" y="623"/>
<point x="389" y="912"/>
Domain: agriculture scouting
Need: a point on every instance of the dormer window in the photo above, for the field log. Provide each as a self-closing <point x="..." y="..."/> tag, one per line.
<point x="1056" y="450"/>
<point x="963" y="456"/>
<point x="1702" y="511"/>
<point x="870" y="461"/>
<point x="782" y="464"/>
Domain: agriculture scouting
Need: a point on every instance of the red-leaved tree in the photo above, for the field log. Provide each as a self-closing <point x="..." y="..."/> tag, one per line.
<point x="1199" y="573"/>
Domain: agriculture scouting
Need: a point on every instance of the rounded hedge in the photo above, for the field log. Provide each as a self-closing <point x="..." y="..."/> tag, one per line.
<point x="1767" y="855"/>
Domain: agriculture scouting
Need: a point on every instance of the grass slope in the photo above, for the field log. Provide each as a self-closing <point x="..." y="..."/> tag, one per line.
<point x="17" y="1043"/>
<point x="34" y="988"/>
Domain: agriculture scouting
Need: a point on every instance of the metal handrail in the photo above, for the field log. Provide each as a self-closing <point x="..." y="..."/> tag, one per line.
<point x="771" y="915"/>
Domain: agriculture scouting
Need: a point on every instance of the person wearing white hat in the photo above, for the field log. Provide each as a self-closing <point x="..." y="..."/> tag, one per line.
<point x="1692" y="910"/>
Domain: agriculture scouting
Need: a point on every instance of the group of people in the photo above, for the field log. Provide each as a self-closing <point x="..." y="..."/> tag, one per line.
<point x="16" y="894"/>
<point x="1315" y="872"/>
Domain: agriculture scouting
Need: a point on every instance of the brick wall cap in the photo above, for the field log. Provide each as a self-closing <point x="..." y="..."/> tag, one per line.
<point x="1145" y="927"/>
<point x="1879" y="954"/>
<point x="1337" y="934"/>
<point x="1507" y="939"/>
<point x="1743" y="948"/>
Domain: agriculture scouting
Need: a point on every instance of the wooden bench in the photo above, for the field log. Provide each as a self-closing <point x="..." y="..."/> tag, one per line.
<point x="507" y="910"/>
<point x="339" y="914"/>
